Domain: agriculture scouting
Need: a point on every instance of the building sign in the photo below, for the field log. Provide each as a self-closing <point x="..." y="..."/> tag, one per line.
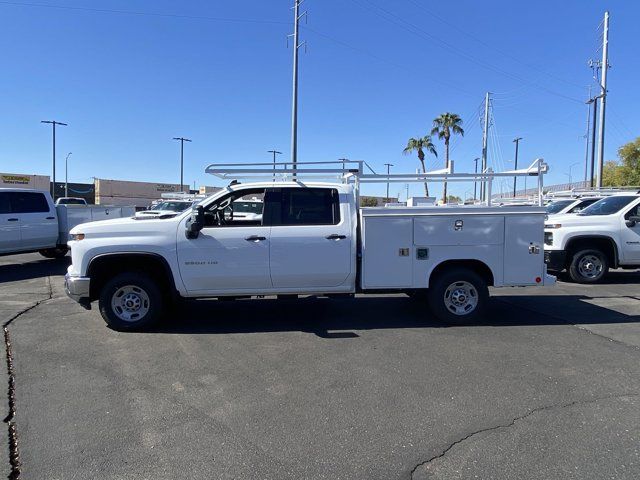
<point x="16" y="179"/>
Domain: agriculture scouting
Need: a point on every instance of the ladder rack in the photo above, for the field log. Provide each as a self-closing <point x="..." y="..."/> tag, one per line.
<point x="353" y="171"/>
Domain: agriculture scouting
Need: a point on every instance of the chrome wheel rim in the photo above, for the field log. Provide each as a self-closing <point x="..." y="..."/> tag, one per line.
<point x="130" y="303"/>
<point x="461" y="298"/>
<point x="590" y="266"/>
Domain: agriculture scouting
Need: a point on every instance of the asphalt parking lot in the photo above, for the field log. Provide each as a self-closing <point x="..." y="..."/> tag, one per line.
<point x="547" y="386"/>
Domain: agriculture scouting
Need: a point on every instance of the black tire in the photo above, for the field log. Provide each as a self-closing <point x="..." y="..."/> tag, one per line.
<point x="138" y="305"/>
<point x="588" y="266"/>
<point x="58" y="252"/>
<point x="470" y="289"/>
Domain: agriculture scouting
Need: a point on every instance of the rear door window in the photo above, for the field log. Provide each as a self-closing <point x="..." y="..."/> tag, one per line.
<point x="28" y="202"/>
<point x="306" y="206"/>
<point x="5" y="204"/>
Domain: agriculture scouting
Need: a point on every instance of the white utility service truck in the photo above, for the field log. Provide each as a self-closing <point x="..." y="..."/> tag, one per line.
<point x="310" y="239"/>
<point x="604" y="235"/>
<point x="30" y="222"/>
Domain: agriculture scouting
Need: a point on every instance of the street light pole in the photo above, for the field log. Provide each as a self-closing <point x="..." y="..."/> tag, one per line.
<point x="66" y="175"/>
<point x="515" y="178"/>
<point x="53" y="124"/>
<point x="569" y="174"/>
<point x="275" y="152"/>
<point x="182" y="140"/>
<point x="389" y="165"/>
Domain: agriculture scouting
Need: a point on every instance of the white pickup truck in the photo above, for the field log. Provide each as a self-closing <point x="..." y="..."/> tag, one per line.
<point x="311" y="239"/>
<point x="604" y="235"/>
<point x="30" y="222"/>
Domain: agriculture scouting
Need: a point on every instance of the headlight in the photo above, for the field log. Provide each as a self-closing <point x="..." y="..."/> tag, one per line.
<point x="552" y="225"/>
<point x="76" y="236"/>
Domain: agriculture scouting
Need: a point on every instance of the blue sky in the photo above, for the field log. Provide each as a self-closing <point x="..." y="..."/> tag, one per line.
<point x="375" y="73"/>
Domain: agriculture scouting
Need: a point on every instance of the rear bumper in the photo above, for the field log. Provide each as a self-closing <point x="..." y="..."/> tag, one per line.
<point x="77" y="288"/>
<point x="555" y="259"/>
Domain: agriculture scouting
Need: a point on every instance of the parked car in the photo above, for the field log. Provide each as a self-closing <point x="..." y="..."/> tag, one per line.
<point x="166" y="208"/>
<point x="570" y="205"/>
<point x="71" y="201"/>
<point x="30" y="222"/>
<point x="604" y="235"/>
<point x="312" y="239"/>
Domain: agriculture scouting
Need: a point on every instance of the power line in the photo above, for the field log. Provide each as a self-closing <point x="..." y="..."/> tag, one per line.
<point x="488" y="45"/>
<point x="142" y="13"/>
<point x="416" y="30"/>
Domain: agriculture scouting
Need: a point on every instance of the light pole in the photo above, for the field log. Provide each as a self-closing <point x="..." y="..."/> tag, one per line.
<point x="389" y="165"/>
<point x="275" y="152"/>
<point x="66" y="175"/>
<point x="515" y="167"/>
<point x="182" y="140"/>
<point x="569" y="174"/>
<point x="53" y="124"/>
<point x="475" y="181"/>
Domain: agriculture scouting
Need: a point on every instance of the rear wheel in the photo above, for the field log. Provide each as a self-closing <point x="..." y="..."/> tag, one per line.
<point x="588" y="266"/>
<point x="58" y="252"/>
<point x="130" y="301"/>
<point x="459" y="295"/>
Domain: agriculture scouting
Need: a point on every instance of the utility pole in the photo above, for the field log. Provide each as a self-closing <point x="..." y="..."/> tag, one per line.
<point x="515" y="167"/>
<point x="388" y="165"/>
<point x="294" y="106"/>
<point x="485" y="131"/>
<point x="586" y="138"/>
<point x="475" y="181"/>
<point x="53" y="124"/>
<point x="66" y="175"/>
<point x="182" y="140"/>
<point x="603" y="95"/>
<point x="594" y="101"/>
<point x="275" y="152"/>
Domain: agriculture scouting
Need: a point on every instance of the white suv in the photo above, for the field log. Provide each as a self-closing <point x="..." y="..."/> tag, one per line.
<point x="604" y="235"/>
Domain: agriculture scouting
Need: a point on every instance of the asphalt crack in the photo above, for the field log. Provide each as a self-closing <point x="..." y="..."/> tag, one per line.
<point x="513" y="422"/>
<point x="14" y="451"/>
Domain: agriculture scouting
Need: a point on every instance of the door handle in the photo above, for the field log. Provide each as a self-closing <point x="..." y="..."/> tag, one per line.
<point x="335" y="236"/>
<point x="50" y="218"/>
<point x="12" y="219"/>
<point x="255" y="238"/>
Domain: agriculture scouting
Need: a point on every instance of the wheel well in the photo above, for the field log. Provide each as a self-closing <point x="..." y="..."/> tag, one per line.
<point x="476" y="266"/>
<point x="605" y="244"/>
<point x="104" y="267"/>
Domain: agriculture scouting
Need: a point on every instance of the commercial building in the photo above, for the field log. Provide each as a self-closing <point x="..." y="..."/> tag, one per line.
<point x="24" y="180"/>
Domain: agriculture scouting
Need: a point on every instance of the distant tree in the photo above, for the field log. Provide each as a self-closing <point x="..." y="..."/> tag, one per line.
<point x="420" y="145"/>
<point x="368" y="202"/>
<point x="626" y="170"/>
<point x="454" y="199"/>
<point x="444" y="126"/>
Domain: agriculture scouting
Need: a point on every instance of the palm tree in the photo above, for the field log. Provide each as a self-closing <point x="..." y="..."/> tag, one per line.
<point x="420" y="145"/>
<point x="444" y="126"/>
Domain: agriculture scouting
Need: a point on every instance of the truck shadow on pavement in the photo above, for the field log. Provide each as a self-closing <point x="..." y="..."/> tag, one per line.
<point x="14" y="272"/>
<point x="342" y="318"/>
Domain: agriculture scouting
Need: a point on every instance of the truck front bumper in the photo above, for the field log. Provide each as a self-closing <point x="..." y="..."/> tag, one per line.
<point x="77" y="288"/>
<point x="555" y="259"/>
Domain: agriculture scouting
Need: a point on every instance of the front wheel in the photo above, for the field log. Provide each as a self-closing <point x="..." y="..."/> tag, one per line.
<point x="459" y="295"/>
<point x="588" y="266"/>
<point x="130" y="301"/>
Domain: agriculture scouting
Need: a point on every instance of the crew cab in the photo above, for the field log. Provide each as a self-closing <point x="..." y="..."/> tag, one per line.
<point x="604" y="235"/>
<point x="309" y="239"/>
<point x="30" y="222"/>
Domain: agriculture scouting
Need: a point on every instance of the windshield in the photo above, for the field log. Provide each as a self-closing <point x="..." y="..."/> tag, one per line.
<point x="555" y="207"/>
<point x="172" y="206"/>
<point x="608" y="205"/>
<point x="72" y="201"/>
<point x="247" y="207"/>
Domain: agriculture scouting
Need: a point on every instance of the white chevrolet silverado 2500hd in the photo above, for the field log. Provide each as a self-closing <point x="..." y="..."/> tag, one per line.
<point x="604" y="235"/>
<point x="311" y="239"/>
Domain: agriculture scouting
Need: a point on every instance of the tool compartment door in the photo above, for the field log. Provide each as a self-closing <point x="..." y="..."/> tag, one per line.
<point x="387" y="252"/>
<point x="523" y="249"/>
<point x="467" y="230"/>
